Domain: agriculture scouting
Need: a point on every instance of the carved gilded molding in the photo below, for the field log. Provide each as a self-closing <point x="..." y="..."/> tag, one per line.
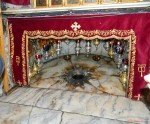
<point x="64" y="3"/>
<point x="11" y="47"/>
<point x="113" y="6"/>
<point x="84" y="34"/>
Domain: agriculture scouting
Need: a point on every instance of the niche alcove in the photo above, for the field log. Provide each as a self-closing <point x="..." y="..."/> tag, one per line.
<point x="93" y="65"/>
<point x="75" y="64"/>
<point x="86" y="28"/>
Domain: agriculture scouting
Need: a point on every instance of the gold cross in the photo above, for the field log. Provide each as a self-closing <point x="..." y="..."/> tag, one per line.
<point x="141" y="68"/>
<point x="17" y="60"/>
<point x="75" y="26"/>
<point x="138" y="97"/>
<point x="19" y="82"/>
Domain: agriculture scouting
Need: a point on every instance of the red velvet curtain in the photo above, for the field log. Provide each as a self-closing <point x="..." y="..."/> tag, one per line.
<point x="133" y="26"/>
<point x="17" y="2"/>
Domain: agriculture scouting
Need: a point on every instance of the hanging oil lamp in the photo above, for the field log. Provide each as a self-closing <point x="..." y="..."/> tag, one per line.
<point x="123" y="79"/>
<point x="119" y="48"/>
<point x="34" y="45"/>
<point x="58" y="47"/>
<point x="124" y="65"/>
<point x="106" y="46"/>
<point x="52" y="50"/>
<point x="38" y="58"/>
<point x="96" y="43"/>
<point x="124" y="74"/>
<point x="35" y="68"/>
<point x="29" y="58"/>
<point x="119" y="52"/>
<point x="88" y="47"/>
<point x="111" y="51"/>
<point x="67" y="57"/>
<point x="30" y="72"/>
<point x="67" y="41"/>
<point x="77" y="48"/>
<point x="46" y="48"/>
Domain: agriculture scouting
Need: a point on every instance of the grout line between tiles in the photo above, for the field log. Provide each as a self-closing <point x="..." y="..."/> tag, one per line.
<point x="30" y="115"/>
<point x="65" y="112"/>
<point x="41" y="96"/>
<point x="61" y="118"/>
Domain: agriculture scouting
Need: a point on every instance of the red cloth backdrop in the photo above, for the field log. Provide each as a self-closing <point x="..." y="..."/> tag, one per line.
<point x="132" y="26"/>
<point x="17" y="2"/>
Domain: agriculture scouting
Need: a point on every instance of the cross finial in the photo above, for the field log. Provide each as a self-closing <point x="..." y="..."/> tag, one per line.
<point x="141" y="68"/>
<point x="19" y="82"/>
<point x="138" y="97"/>
<point x="75" y="26"/>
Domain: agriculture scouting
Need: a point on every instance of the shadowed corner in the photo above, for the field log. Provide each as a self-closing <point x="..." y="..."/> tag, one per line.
<point x="146" y="96"/>
<point x="1" y="66"/>
<point x="1" y="72"/>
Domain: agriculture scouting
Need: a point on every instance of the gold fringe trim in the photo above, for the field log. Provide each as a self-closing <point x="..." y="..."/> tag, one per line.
<point x="11" y="48"/>
<point x="84" y="34"/>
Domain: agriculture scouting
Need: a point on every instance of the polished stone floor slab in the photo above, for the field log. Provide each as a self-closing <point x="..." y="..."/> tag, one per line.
<point x="68" y="118"/>
<point x="14" y="113"/>
<point x="25" y="96"/>
<point x="21" y="114"/>
<point x="45" y="116"/>
<point x="105" y="78"/>
<point x="55" y="102"/>
<point x="100" y="105"/>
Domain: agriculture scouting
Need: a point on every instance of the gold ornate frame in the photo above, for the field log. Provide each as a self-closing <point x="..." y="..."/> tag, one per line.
<point x="70" y="4"/>
<point x="131" y="0"/>
<point x="128" y="35"/>
<point x="111" y="2"/>
<point x="36" y="6"/>
<point x="118" y="34"/>
<point x="59" y="5"/>
<point x="88" y="3"/>
<point x="81" y="3"/>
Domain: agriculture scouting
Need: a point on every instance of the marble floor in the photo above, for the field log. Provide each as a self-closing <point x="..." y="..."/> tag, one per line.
<point x="49" y="101"/>
<point x="104" y="76"/>
<point x="51" y="106"/>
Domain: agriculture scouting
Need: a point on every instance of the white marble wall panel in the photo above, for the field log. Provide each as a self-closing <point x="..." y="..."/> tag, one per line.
<point x="70" y="48"/>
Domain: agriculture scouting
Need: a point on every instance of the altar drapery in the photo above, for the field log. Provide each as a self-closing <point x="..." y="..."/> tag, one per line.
<point x="18" y="2"/>
<point x="131" y="26"/>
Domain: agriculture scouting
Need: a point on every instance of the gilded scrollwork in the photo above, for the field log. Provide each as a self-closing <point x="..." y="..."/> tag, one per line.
<point x="18" y="60"/>
<point x="11" y="36"/>
<point x="11" y="47"/>
<point x="85" y="34"/>
<point x="63" y="3"/>
<point x="24" y="58"/>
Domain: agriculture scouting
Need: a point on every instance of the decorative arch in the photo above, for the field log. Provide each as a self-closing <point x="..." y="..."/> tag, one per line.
<point x="88" y="35"/>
